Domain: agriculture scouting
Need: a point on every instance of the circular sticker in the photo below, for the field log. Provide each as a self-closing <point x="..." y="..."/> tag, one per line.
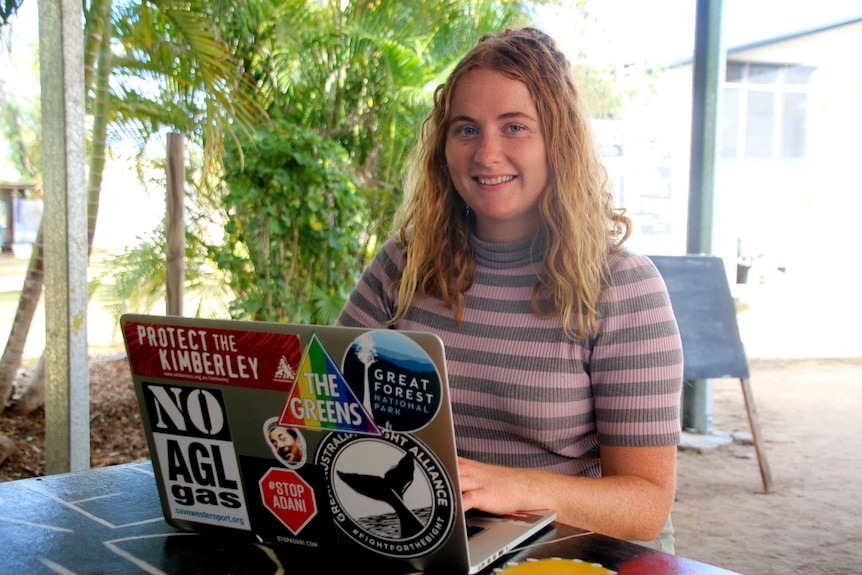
<point x="391" y="495"/>
<point x="553" y="566"/>
<point x="395" y="379"/>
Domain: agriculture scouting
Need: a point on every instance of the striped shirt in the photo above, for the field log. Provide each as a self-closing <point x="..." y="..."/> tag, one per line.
<point x="523" y="394"/>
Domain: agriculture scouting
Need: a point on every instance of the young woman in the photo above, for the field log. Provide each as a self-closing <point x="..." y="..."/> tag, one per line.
<point x="563" y="352"/>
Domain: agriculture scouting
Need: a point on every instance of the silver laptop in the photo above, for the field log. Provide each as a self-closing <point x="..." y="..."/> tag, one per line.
<point x="317" y="437"/>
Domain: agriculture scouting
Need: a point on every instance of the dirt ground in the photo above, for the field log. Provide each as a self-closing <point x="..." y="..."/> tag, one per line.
<point x="809" y="411"/>
<point x="812" y="522"/>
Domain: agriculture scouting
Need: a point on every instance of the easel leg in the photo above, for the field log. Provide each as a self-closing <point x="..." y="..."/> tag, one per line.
<point x="754" y="421"/>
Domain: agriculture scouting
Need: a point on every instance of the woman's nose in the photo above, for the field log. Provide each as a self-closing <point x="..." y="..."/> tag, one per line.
<point x="488" y="151"/>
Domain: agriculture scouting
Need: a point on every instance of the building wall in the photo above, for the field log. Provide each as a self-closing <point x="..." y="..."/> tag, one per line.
<point x="797" y="215"/>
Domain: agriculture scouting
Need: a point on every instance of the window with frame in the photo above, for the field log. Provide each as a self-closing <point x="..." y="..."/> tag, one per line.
<point x="765" y="111"/>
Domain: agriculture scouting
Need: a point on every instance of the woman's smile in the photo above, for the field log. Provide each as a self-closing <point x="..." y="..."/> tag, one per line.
<point x="496" y="154"/>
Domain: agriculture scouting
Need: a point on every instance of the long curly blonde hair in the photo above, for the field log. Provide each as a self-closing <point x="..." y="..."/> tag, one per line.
<point x="579" y="223"/>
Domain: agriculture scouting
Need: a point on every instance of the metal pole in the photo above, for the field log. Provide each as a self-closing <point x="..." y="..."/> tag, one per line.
<point x="709" y="69"/>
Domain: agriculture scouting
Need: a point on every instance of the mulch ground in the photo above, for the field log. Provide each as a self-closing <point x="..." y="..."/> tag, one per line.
<point x="116" y="434"/>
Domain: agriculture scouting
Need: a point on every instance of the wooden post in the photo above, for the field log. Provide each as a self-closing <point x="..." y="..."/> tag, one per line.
<point x="175" y="273"/>
<point x="757" y="438"/>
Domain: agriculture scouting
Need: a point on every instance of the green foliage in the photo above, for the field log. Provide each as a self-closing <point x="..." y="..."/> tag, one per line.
<point x="173" y="69"/>
<point x="133" y="280"/>
<point x="294" y="220"/>
<point x="19" y="126"/>
<point x="300" y="115"/>
<point x="8" y="8"/>
<point x="347" y="86"/>
<point x="20" y="109"/>
<point x="374" y="66"/>
<point x="159" y="66"/>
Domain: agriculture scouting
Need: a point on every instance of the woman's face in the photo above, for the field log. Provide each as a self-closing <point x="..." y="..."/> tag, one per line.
<point x="496" y="154"/>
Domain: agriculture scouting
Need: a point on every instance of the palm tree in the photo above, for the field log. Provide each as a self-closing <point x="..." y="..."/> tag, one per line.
<point x="369" y="87"/>
<point x="150" y="67"/>
<point x="301" y="230"/>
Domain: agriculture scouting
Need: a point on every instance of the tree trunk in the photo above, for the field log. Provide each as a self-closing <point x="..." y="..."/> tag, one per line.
<point x="27" y="305"/>
<point x="101" y="112"/>
<point x="34" y="394"/>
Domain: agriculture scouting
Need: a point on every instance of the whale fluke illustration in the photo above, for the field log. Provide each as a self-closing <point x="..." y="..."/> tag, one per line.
<point x="389" y="489"/>
<point x="400" y="475"/>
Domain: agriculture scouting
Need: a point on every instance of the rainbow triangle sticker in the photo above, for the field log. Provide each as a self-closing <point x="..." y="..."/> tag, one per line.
<point x="321" y="399"/>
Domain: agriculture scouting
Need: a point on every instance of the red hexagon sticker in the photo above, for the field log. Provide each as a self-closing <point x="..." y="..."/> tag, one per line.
<point x="288" y="497"/>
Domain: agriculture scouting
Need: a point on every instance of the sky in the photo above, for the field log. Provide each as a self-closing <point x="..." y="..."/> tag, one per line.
<point x="662" y="31"/>
<point x="16" y="71"/>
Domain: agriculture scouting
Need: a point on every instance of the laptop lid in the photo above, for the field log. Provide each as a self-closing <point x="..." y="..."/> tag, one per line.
<point x="319" y="437"/>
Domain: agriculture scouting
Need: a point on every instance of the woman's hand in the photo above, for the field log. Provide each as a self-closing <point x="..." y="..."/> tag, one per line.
<point x="630" y="501"/>
<point x="494" y="489"/>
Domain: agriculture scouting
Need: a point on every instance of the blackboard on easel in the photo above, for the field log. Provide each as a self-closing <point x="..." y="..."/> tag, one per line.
<point x="711" y="344"/>
<point x="706" y="314"/>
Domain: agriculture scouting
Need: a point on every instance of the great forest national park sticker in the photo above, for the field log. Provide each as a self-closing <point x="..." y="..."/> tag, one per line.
<point x="390" y="495"/>
<point x="396" y="379"/>
<point x="321" y="399"/>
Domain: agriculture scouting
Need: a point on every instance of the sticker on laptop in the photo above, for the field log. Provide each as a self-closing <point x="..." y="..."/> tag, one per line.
<point x="321" y="399"/>
<point x="287" y="443"/>
<point x="250" y="359"/>
<point x="395" y="378"/>
<point x="288" y="497"/>
<point x="195" y="453"/>
<point x="390" y="495"/>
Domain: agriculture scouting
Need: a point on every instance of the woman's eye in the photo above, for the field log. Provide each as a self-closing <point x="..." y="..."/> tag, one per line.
<point x="466" y="131"/>
<point x="516" y="128"/>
